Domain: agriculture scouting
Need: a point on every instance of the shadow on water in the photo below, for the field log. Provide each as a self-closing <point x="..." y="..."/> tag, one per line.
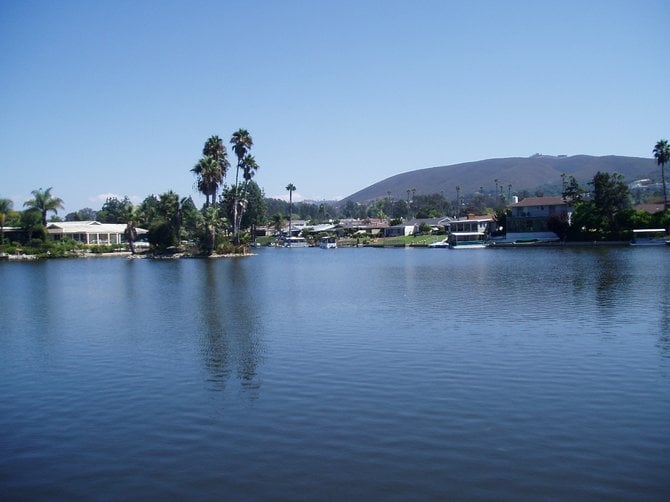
<point x="229" y="325"/>
<point x="613" y="278"/>
<point x="601" y="277"/>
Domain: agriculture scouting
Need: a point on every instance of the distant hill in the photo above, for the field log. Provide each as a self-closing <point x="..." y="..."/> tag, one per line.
<point x="539" y="172"/>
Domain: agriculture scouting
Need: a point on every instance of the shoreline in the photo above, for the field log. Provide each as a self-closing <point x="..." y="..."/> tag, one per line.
<point x="178" y="256"/>
<point x="119" y="254"/>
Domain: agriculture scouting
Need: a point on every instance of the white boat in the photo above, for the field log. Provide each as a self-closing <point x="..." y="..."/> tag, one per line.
<point x="295" y="242"/>
<point x="328" y="243"/>
<point x="649" y="237"/>
<point x="439" y="244"/>
<point x="467" y="240"/>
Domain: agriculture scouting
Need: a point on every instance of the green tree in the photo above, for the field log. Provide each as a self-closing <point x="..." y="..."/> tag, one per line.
<point x="115" y="210"/>
<point x="5" y="206"/>
<point x="255" y="213"/>
<point x="604" y="214"/>
<point x="85" y="214"/>
<point x="162" y="236"/>
<point x="44" y="202"/>
<point x="662" y="155"/>
<point x="33" y="226"/>
<point x="190" y="218"/>
<point x="147" y="212"/>
<point x="277" y="222"/>
<point x="572" y="192"/>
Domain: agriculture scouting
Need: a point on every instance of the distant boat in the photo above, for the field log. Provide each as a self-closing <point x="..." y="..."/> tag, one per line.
<point x="467" y="240"/>
<point x="649" y="237"/>
<point x="328" y="243"/>
<point x="295" y="242"/>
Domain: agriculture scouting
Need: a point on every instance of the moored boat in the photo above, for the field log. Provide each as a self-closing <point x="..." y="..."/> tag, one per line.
<point x="649" y="237"/>
<point x="295" y="242"/>
<point x="467" y="240"/>
<point x="328" y="243"/>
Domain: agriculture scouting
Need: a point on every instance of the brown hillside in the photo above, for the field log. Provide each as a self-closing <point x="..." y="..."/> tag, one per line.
<point x="531" y="173"/>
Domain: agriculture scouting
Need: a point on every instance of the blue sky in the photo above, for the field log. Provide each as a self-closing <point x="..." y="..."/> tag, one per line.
<point x="118" y="97"/>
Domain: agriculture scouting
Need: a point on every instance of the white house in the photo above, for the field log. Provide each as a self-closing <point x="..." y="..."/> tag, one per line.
<point x="90" y="232"/>
<point x="471" y="224"/>
<point x="402" y="230"/>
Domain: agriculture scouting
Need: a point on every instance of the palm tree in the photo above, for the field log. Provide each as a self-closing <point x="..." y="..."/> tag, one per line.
<point x="662" y="154"/>
<point x="44" y="203"/>
<point x="242" y="143"/>
<point x="249" y="168"/>
<point x="5" y="207"/>
<point x="211" y="169"/>
<point x="291" y="188"/>
<point x="458" y="197"/>
<point x="209" y="173"/>
<point x="210" y="223"/>
<point x="215" y="148"/>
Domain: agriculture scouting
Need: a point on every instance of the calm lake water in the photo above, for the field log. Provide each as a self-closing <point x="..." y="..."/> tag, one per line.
<point x="347" y="374"/>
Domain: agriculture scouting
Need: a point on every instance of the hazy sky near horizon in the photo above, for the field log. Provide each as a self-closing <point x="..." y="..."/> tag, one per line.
<point x="117" y="97"/>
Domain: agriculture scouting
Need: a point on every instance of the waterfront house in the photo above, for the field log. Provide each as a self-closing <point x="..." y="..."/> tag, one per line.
<point x="402" y="230"/>
<point x="413" y="227"/>
<point x="90" y="232"/>
<point x="373" y="227"/>
<point x="529" y="218"/>
<point x="477" y="224"/>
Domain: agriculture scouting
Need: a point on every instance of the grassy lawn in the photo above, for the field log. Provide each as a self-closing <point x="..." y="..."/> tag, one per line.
<point x="419" y="240"/>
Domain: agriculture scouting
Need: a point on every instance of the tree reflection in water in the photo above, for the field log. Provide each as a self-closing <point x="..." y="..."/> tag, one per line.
<point x="229" y="324"/>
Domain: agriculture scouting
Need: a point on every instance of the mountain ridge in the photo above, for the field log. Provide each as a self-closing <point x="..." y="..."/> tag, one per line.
<point x="523" y="173"/>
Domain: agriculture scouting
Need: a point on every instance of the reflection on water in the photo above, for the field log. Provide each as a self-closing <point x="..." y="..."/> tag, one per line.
<point x="339" y="374"/>
<point x="229" y="323"/>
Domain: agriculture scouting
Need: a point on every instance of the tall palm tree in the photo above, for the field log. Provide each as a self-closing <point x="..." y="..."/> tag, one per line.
<point x="242" y="143"/>
<point x="5" y="207"/>
<point x="44" y="202"/>
<point x="249" y="168"/>
<point x="662" y="154"/>
<point x="291" y="188"/>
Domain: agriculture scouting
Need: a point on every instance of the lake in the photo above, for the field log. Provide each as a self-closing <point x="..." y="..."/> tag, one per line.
<point x="345" y="374"/>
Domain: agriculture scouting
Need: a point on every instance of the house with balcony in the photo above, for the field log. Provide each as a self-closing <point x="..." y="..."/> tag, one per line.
<point x="529" y="218"/>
